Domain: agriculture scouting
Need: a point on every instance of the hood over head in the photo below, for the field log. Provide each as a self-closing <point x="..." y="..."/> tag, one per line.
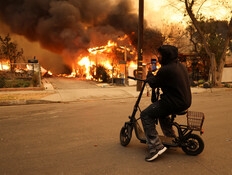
<point x="169" y="53"/>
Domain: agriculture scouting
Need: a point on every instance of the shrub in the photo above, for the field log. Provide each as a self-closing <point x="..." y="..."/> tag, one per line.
<point x="16" y="83"/>
<point x="101" y="74"/>
<point x="2" y="82"/>
<point x="207" y="85"/>
<point x="201" y="81"/>
<point x="228" y="85"/>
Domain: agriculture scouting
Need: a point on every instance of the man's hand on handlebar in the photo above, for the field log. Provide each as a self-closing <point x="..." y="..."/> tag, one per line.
<point x="149" y="74"/>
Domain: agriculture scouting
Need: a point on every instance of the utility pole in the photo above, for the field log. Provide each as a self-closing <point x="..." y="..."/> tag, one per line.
<point x="126" y="70"/>
<point x="140" y="44"/>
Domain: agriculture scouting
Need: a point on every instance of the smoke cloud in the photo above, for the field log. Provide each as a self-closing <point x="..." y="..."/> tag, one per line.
<point x="69" y="26"/>
<point x="66" y="25"/>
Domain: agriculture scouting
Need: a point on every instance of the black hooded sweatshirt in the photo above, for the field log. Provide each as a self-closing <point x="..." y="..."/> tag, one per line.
<point x="173" y="80"/>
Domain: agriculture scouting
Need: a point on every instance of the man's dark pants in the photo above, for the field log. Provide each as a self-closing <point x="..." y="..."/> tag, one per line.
<point x="149" y="117"/>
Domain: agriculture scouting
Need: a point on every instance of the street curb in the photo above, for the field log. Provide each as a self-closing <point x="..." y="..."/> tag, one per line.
<point x="26" y="102"/>
<point x="23" y="89"/>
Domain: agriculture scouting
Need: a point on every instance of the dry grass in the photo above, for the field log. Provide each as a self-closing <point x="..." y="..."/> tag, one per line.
<point x="23" y="96"/>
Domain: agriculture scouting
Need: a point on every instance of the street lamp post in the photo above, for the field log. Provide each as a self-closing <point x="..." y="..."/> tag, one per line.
<point x="140" y="44"/>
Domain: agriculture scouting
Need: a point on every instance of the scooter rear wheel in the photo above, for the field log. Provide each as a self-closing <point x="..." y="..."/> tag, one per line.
<point x="194" y="145"/>
<point x="125" y="134"/>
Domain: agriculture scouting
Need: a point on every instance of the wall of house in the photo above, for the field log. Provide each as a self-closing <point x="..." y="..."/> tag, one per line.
<point x="227" y="75"/>
<point x="227" y="71"/>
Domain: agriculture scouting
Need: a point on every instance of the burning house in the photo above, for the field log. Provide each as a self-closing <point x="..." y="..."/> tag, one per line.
<point x="84" y="33"/>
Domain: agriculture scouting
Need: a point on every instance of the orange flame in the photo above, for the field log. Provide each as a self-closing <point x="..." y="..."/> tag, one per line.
<point x="107" y="48"/>
<point x="85" y="61"/>
<point x="132" y="64"/>
<point x="5" y="65"/>
<point x="105" y="56"/>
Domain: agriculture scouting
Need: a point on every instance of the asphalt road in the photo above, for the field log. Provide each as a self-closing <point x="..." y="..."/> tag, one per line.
<point x="71" y="83"/>
<point x="82" y="138"/>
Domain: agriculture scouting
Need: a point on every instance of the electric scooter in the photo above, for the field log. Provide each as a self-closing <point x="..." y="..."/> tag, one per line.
<point x="191" y="143"/>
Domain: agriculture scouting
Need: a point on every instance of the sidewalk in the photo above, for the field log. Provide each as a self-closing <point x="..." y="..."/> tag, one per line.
<point x="50" y="95"/>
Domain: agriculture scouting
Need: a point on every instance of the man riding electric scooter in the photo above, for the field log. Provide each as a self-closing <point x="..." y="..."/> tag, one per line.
<point x="176" y="97"/>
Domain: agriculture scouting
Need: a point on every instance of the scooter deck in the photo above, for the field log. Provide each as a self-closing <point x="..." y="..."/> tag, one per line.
<point x="167" y="141"/>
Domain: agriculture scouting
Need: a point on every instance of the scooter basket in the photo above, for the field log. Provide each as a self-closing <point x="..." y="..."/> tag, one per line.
<point x="195" y="120"/>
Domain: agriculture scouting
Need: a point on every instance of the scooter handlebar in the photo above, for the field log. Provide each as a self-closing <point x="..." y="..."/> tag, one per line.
<point x="134" y="78"/>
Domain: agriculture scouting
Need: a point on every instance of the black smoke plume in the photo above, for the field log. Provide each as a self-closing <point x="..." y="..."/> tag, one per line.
<point x="70" y="26"/>
<point x="60" y="24"/>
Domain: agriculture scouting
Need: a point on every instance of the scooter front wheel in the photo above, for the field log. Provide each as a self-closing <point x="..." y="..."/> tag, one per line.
<point x="194" y="145"/>
<point x="126" y="134"/>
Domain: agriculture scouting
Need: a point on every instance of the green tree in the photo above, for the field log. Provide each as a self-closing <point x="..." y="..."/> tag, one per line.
<point x="215" y="32"/>
<point x="213" y="39"/>
<point x="9" y="50"/>
<point x="152" y="39"/>
<point x="175" y="34"/>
